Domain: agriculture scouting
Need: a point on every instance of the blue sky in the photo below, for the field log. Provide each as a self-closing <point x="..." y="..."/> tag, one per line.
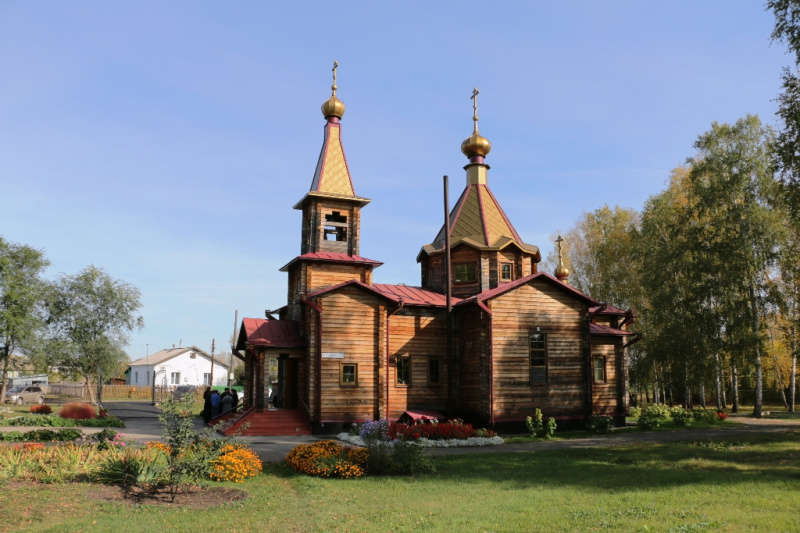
<point x="166" y="142"/>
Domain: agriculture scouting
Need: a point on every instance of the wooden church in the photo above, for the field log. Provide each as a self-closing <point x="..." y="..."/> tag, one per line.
<point x="344" y="349"/>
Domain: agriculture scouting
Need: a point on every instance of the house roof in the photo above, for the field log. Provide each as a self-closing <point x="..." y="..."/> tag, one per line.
<point x="478" y="220"/>
<point x="331" y="257"/>
<point x="270" y="333"/>
<point x="597" y="329"/>
<point x="411" y="296"/>
<point x="170" y="353"/>
<point x="544" y="276"/>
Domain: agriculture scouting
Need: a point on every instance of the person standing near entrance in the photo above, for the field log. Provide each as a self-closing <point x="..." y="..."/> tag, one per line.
<point x="207" y="405"/>
<point x="215" y="403"/>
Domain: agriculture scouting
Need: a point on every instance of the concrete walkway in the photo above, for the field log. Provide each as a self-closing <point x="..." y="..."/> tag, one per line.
<point x="141" y="423"/>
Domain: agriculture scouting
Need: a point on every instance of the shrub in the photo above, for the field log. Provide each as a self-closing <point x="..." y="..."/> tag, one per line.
<point x="42" y="409"/>
<point x="53" y="464"/>
<point x="652" y="417"/>
<point x="235" y="463"/>
<point x="535" y="425"/>
<point x="599" y="424"/>
<point x="681" y="416"/>
<point x="190" y="453"/>
<point x="11" y="436"/>
<point x="328" y="459"/>
<point x="635" y="412"/>
<point x="538" y="428"/>
<point x="132" y="466"/>
<point x="78" y="411"/>
<point x="701" y="414"/>
<point x="722" y="415"/>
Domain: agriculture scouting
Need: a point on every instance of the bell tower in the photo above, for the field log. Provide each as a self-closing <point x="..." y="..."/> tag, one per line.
<point x="330" y="233"/>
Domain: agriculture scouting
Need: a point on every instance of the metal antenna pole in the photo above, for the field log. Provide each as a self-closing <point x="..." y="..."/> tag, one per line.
<point x="448" y="295"/>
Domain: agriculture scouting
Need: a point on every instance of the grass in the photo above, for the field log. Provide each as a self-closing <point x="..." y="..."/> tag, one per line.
<point x="724" y="485"/>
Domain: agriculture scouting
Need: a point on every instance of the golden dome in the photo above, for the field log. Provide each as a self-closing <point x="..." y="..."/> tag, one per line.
<point x="476" y="145"/>
<point x="333" y="107"/>
<point x="562" y="272"/>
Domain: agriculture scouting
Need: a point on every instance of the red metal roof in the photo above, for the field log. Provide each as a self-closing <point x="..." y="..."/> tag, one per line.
<point x="422" y="415"/>
<point x="414" y="296"/>
<point x="331" y="257"/>
<point x="597" y="329"/>
<point x="610" y="310"/>
<point x="270" y="333"/>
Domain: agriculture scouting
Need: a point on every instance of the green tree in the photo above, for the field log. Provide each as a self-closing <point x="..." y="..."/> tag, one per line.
<point x="91" y="318"/>
<point x="736" y="234"/>
<point x="21" y="295"/>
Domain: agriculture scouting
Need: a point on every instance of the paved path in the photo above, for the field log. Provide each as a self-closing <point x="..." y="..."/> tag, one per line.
<point x="141" y="423"/>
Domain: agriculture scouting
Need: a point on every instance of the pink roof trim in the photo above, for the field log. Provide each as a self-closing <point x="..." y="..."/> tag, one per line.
<point x="502" y="289"/>
<point x="610" y="310"/>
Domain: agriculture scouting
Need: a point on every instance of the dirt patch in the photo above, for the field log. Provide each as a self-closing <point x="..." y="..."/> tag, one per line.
<point x="191" y="498"/>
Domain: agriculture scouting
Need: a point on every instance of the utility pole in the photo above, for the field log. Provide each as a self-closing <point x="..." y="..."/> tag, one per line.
<point x="212" y="362"/>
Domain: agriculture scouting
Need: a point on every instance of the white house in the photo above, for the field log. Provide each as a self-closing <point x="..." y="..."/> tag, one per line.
<point x="177" y="366"/>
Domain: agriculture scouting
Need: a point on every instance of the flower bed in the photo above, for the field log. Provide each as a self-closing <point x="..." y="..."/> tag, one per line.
<point x="326" y="458"/>
<point x="431" y="434"/>
<point x="59" y="422"/>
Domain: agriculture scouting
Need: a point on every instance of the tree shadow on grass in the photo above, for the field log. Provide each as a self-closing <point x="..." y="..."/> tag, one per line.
<point x="721" y="461"/>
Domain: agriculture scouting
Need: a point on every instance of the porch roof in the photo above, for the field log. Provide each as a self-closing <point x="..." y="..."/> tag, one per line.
<point x="270" y="334"/>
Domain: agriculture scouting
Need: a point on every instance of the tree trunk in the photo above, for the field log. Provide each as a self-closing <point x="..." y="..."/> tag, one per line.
<point x="722" y="381"/>
<point x="735" y="388"/>
<point x="703" y="395"/>
<point x="759" y="392"/>
<point x="779" y="379"/>
<point x="792" y="379"/>
<point x="3" y="388"/>
<point x="90" y="389"/>
<point x="718" y="382"/>
<point x="687" y="391"/>
<point x="655" y="385"/>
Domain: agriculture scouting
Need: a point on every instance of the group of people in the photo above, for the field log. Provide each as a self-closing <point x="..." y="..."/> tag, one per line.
<point x="216" y="404"/>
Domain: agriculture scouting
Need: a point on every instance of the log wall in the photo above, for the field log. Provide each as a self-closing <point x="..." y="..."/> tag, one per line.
<point x="606" y="398"/>
<point x="417" y="333"/>
<point x="562" y="318"/>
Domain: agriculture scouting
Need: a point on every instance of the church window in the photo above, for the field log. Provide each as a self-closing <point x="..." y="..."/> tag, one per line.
<point x="403" y="370"/>
<point x="464" y="273"/>
<point x="432" y="279"/>
<point x="335" y="227"/>
<point x="434" y="371"/>
<point x="505" y="271"/>
<point x="348" y="374"/>
<point x="600" y="369"/>
<point x="538" y="349"/>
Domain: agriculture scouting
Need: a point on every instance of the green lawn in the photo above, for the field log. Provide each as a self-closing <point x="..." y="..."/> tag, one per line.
<point x="725" y="485"/>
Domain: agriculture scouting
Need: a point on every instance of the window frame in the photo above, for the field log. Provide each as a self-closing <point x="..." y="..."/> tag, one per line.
<point x="406" y="359"/>
<point x="207" y="378"/>
<point x="604" y="368"/>
<point x="510" y="271"/>
<point x="540" y="351"/>
<point x="175" y="378"/>
<point x="438" y="360"/>
<point x="342" y="382"/>
<point x="467" y="279"/>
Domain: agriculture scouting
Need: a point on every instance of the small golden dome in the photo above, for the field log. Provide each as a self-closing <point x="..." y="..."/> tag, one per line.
<point x="333" y="107"/>
<point x="562" y="272"/>
<point x="476" y="145"/>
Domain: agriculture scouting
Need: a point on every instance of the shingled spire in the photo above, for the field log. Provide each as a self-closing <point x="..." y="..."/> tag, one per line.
<point x="477" y="221"/>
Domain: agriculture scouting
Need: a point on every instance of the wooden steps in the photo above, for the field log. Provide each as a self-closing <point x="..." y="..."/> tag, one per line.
<point x="277" y="422"/>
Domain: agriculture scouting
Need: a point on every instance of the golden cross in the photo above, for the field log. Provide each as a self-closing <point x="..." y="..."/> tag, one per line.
<point x="335" y="66"/>
<point x="474" y="99"/>
<point x="558" y="242"/>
